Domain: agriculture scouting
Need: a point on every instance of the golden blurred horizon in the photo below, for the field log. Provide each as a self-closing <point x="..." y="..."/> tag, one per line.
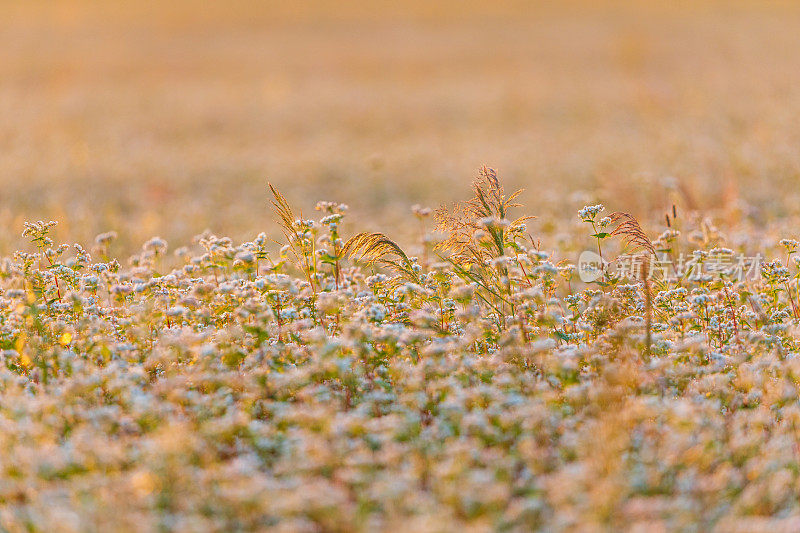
<point x="169" y="118"/>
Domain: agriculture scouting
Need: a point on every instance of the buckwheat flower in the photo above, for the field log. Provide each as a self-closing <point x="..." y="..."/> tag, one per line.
<point x="190" y="302"/>
<point x="413" y="288"/>
<point x="90" y="281"/>
<point x="156" y="245"/>
<point x="176" y="311"/>
<point x="290" y="313"/>
<point x="791" y="245"/>
<point x="668" y="235"/>
<point x="328" y="302"/>
<point x="324" y="206"/>
<point x="227" y="287"/>
<point x="721" y="251"/>
<point x="246" y="256"/>
<point x="331" y="219"/>
<point x="282" y="282"/>
<point x="420" y="212"/>
<point x="104" y="239"/>
<point x="546" y="268"/>
<point x="38" y="229"/>
<point x="463" y="292"/>
<point x="779" y="316"/>
<point x="436" y="348"/>
<point x="376" y="280"/>
<point x="543" y="345"/>
<point x="522" y="259"/>
<point x="121" y="289"/>
<point x="537" y="255"/>
<point x="64" y="272"/>
<point x="376" y="312"/>
<point x="589" y="212"/>
<point x="774" y="271"/>
<point x="499" y="262"/>
<point x="83" y="256"/>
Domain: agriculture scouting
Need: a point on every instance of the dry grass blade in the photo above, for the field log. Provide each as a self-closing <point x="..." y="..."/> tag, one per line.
<point x="463" y="220"/>
<point x="281" y="208"/>
<point x="288" y="222"/>
<point x="477" y="233"/>
<point x="631" y="232"/>
<point x="371" y="247"/>
<point x="377" y="248"/>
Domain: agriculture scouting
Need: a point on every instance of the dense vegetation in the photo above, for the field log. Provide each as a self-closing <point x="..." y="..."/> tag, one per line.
<point x="340" y="384"/>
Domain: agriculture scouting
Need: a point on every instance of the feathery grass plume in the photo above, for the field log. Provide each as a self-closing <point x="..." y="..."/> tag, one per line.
<point x="296" y="233"/>
<point x="478" y="232"/>
<point x="631" y="232"/>
<point x="378" y="248"/>
<point x="475" y="228"/>
<point x="281" y="208"/>
<point x="632" y="235"/>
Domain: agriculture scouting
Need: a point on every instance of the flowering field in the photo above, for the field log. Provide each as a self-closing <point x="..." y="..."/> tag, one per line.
<point x="340" y="384"/>
<point x="376" y="342"/>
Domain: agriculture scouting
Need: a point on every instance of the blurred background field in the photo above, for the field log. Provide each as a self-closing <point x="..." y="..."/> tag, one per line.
<point x="167" y="118"/>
